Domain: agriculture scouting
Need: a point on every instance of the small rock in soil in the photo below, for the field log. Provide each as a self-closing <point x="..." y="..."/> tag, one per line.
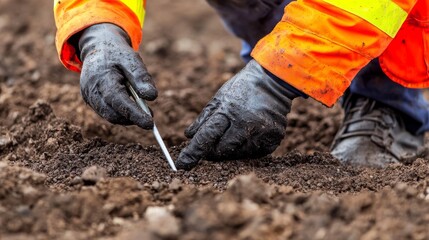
<point x="5" y="141"/>
<point x="175" y="185"/>
<point x="187" y="46"/>
<point x="156" y="185"/>
<point x="93" y="174"/>
<point x="76" y="181"/>
<point x="161" y="222"/>
<point x="158" y="46"/>
<point x="250" y="187"/>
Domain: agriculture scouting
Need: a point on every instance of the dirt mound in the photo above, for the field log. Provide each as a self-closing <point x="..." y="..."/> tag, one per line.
<point x="250" y="209"/>
<point x="56" y="148"/>
<point x="28" y="206"/>
<point x="91" y="188"/>
<point x="247" y="209"/>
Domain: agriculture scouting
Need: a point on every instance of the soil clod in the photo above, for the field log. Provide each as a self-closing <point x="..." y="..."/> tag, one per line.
<point x="93" y="174"/>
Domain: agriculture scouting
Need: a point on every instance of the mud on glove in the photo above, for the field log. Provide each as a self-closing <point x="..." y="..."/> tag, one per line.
<point x="245" y="119"/>
<point x="109" y="62"/>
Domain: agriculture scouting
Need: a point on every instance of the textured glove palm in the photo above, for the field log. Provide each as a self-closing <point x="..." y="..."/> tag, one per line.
<point x="108" y="63"/>
<point x="245" y="119"/>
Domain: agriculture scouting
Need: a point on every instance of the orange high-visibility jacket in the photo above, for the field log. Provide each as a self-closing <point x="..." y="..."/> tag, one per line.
<point x="318" y="46"/>
<point x="73" y="16"/>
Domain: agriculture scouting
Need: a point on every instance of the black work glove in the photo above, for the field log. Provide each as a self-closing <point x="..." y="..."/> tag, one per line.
<point x="109" y="62"/>
<point x="245" y="119"/>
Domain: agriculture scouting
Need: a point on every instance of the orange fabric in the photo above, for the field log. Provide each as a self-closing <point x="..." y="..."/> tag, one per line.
<point x="319" y="48"/>
<point x="72" y="16"/>
<point x="407" y="5"/>
<point x="406" y="60"/>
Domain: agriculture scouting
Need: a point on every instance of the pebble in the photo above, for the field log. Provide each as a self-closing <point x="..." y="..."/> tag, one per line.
<point x="162" y="223"/>
<point x="5" y="140"/>
<point x="118" y="221"/>
<point x="93" y="174"/>
<point x="175" y="185"/>
<point x="187" y="46"/>
<point x="156" y="185"/>
<point x="157" y="46"/>
<point x="3" y="165"/>
<point x="76" y="180"/>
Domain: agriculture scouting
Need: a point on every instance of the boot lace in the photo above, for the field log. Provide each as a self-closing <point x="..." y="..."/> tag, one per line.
<point x="362" y="109"/>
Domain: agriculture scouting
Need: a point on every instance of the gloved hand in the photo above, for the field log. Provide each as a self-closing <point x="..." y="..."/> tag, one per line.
<point x="109" y="62"/>
<point x="245" y="119"/>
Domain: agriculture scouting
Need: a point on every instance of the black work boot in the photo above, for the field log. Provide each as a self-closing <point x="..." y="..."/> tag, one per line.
<point x="374" y="134"/>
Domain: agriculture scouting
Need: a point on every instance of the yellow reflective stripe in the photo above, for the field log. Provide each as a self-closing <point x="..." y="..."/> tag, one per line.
<point x="383" y="14"/>
<point x="137" y="6"/>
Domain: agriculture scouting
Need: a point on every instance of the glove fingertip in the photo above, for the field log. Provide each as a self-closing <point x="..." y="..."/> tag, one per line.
<point x="186" y="161"/>
<point x="148" y="92"/>
<point x="145" y="123"/>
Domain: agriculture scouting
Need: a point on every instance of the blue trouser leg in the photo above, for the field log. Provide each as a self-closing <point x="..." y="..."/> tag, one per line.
<point x="251" y="20"/>
<point x="371" y="82"/>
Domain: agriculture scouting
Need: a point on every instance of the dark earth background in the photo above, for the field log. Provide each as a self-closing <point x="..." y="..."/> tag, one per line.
<point x="67" y="174"/>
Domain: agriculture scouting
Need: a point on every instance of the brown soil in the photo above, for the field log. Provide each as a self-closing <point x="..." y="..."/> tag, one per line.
<point x="67" y="174"/>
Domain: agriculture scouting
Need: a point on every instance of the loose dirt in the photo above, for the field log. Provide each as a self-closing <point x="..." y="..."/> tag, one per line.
<point x="67" y="174"/>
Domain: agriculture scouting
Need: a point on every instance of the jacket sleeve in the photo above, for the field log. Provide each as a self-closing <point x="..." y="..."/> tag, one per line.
<point x="72" y="16"/>
<point x="320" y="45"/>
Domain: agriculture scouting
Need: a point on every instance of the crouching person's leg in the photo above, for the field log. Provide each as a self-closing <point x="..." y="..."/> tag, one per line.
<point x="384" y="121"/>
<point x="249" y="20"/>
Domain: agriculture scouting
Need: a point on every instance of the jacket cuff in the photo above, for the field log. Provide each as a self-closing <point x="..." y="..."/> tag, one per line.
<point x="73" y="16"/>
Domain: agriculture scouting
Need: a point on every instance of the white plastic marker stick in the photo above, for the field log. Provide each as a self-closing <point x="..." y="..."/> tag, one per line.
<point x="158" y="137"/>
